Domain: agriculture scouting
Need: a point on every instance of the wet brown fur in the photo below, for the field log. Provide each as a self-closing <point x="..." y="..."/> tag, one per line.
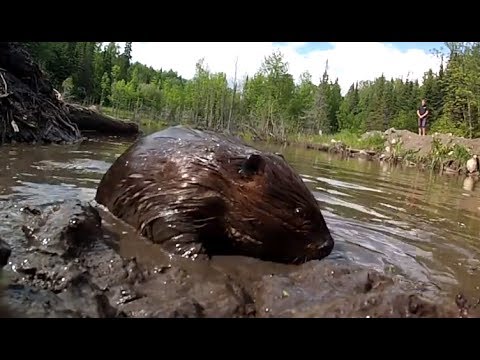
<point x="212" y="193"/>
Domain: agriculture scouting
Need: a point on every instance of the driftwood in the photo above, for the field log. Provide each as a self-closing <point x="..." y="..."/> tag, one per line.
<point x="32" y="111"/>
<point x="338" y="147"/>
<point x="90" y="120"/>
<point x="320" y="147"/>
<point x="367" y="152"/>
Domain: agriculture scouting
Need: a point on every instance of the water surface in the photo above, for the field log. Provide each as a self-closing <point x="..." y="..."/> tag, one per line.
<point x="403" y="221"/>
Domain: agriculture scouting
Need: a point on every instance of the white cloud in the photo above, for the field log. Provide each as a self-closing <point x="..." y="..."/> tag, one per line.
<point x="349" y="62"/>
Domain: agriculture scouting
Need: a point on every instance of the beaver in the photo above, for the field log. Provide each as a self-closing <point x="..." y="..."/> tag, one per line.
<point x="198" y="192"/>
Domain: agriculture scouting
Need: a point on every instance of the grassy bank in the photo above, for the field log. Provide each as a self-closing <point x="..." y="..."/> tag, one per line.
<point x="440" y="152"/>
<point x="437" y="152"/>
<point x="144" y="118"/>
<point x="372" y="142"/>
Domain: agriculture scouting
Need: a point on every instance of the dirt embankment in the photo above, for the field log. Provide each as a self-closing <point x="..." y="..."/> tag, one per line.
<point x="71" y="265"/>
<point x="402" y="142"/>
<point x="423" y="144"/>
<point x="444" y="152"/>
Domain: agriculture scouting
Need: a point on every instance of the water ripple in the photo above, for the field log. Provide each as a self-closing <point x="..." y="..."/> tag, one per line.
<point x="422" y="225"/>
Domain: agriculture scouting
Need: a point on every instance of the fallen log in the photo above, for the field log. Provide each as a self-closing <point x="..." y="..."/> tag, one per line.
<point x="90" y="120"/>
<point x="368" y="152"/>
<point x="319" y="147"/>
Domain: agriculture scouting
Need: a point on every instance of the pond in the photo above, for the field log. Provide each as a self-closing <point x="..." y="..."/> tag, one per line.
<point x="400" y="220"/>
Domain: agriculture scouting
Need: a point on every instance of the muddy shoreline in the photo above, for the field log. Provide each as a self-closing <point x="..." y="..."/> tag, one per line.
<point x="77" y="260"/>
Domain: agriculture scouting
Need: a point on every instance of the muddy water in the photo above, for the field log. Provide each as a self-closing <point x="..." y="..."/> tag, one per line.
<point x="401" y="221"/>
<point x="422" y="225"/>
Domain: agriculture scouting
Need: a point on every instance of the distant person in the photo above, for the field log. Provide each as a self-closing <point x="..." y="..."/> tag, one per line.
<point x="422" y="114"/>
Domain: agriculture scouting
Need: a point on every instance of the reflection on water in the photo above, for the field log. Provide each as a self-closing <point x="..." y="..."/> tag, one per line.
<point x="400" y="220"/>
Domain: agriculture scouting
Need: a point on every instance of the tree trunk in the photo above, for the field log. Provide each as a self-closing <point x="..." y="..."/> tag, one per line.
<point x="470" y="118"/>
<point x="233" y="96"/>
<point x="90" y="120"/>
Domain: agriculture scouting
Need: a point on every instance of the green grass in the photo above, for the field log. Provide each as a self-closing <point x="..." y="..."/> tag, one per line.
<point x="145" y="120"/>
<point x="247" y="135"/>
<point x="441" y="152"/>
<point x="141" y="117"/>
<point x="350" y="139"/>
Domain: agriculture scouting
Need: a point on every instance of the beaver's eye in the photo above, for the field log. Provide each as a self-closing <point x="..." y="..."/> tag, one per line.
<point x="299" y="212"/>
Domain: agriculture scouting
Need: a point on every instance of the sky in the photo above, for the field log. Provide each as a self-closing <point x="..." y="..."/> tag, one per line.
<point x="347" y="61"/>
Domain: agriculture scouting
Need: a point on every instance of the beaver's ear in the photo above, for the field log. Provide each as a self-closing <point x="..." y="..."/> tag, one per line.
<point x="253" y="165"/>
<point x="280" y="155"/>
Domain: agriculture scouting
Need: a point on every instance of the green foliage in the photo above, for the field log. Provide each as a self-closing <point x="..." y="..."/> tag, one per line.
<point x="461" y="153"/>
<point x="270" y="103"/>
<point x="348" y="138"/>
<point x="407" y="155"/>
<point x="405" y="120"/>
<point x="374" y="142"/>
<point x="438" y="153"/>
<point x="446" y="125"/>
<point x="441" y="152"/>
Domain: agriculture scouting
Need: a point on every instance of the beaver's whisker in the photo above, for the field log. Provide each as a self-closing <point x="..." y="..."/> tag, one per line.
<point x="196" y="221"/>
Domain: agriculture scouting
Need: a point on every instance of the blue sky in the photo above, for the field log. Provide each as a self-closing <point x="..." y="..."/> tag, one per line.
<point x="418" y="45"/>
<point x="403" y="46"/>
<point x="347" y="61"/>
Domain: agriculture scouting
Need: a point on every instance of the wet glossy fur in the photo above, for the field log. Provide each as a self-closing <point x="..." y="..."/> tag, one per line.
<point x="200" y="192"/>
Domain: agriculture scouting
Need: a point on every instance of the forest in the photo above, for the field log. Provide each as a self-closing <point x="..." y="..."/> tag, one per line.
<point x="270" y="103"/>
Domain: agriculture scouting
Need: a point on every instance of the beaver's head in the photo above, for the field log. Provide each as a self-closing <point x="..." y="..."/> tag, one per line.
<point x="274" y="214"/>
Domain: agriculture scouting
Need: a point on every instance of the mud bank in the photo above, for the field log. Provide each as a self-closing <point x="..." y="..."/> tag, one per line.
<point x="31" y="111"/>
<point x="71" y="264"/>
<point x="440" y="152"/>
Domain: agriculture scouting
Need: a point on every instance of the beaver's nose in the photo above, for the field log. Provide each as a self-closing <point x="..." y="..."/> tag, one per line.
<point x="327" y="246"/>
<point x="322" y="248"/>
